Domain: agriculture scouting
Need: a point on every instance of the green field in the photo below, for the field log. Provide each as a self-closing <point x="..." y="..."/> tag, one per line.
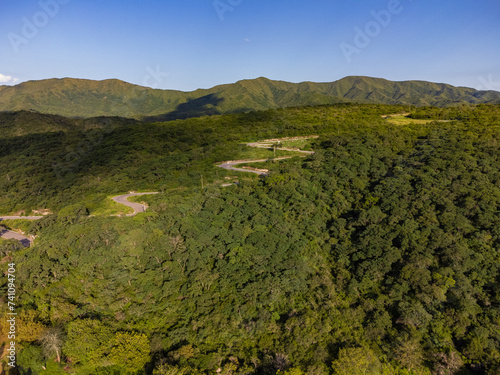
<point x="404" y="120"/>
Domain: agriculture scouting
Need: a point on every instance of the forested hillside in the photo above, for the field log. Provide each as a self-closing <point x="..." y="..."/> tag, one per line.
<point x="379" y="254"/>
<point x="49" y="169"/>
<point x="19" y="123"/>
<point x="87" y="98"/>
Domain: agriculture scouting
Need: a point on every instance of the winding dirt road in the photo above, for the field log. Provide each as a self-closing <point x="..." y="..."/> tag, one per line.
<point x="137" y="207"/>
<point x="268" y="144"/>
<point x="270" y="147"/>
<point x="10" y="235"/>
<point x="231" y="165"/>
<point x="27" y="241"/>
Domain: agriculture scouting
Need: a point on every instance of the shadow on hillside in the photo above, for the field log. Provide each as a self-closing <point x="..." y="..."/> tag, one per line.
<point x="204" y="106"/>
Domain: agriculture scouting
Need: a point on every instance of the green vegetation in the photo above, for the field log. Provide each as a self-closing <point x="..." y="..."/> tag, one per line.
<point x="376" y="255"/>
<point x="100" y="204"/>
<point x="85" y="98"/>
<point x="15" y="124"/>
<point x="249" y="153"/>
<point x="19" y="224"/>
<point x="47" y="170"/>
<point x="405" y="120"/>
<point x="301" y="144"/>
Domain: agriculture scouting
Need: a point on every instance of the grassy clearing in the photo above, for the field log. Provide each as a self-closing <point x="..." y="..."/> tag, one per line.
<point x="142" y="198"/>
<point x="103" y="205"/>
<point x="246" y="152"/>
<point x="265" y="165"/>
<point x="403" y="120"/>
<point x="16" y="224"/>
<point x="302" y="144"/>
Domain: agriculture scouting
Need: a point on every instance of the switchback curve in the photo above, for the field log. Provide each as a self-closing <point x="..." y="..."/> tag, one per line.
<point x="27" y="241"/>
<point x="268" y="144"/>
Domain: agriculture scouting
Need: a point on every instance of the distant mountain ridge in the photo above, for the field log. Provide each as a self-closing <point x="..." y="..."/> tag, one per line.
<point x="86" y="98"/>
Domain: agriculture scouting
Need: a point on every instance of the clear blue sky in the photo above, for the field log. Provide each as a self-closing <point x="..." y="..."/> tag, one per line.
<point x="189" y="44"/>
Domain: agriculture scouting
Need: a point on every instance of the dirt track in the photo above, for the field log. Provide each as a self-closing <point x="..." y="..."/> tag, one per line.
<point x="268" y="144"/>
<point x="8" y="235"/>
<point x="26" y="241"/>
<point x="137" y="207"/>
<point x="230" y="165"/>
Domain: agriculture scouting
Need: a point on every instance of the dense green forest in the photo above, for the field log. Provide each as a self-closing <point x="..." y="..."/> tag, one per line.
<point x="379" y="254"/>
<point x="49" y="169"/>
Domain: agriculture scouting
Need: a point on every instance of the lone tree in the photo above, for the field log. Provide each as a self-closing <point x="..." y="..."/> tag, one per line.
<point x="52" y="342"/>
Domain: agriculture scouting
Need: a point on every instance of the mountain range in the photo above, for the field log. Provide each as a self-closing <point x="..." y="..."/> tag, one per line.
<point x="87" y="98"/>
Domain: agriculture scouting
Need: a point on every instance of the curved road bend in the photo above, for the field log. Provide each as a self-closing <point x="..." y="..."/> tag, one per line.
<point x="269" y="146"/>
<point x="8" y="234"/>
<point x="26" y="241"/>
<point x="230" y="164"/>
<point x="137" y="207"/>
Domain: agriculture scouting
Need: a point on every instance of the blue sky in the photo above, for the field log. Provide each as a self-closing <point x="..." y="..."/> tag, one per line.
<point x="190" y="44"/>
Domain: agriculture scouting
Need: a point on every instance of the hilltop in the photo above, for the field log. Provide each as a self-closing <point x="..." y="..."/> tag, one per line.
<point x="86" y="98"/>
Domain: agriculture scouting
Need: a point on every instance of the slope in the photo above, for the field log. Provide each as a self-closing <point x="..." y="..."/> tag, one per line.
<point x="19" y="123"/>
<point x="85" y="98"/>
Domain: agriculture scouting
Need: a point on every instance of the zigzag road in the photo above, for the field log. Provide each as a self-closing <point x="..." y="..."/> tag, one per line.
<point x="268" y="144"/>
<point x="231" y="165"/>
<point x="138" y="207"/>
<point x="27" y="241"/>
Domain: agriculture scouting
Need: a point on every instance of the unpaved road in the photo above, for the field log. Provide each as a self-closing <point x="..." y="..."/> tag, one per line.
<point x="262" y="144"/>
<point x="137" y="207"/>
<point x="230" y="164"/>
<point x="9" y="235"/>
<point x="20" y="217"/>
<point x="270" y="147"/>
<point x="26" y="241"/>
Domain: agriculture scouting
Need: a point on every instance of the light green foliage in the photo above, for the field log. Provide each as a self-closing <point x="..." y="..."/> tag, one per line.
<point x="92" y="344"/>
<point x="356" y="361"/>
<point x="165" y="369"/>
<point x="85" y="98"/>
<point x="129" y="351"/>
<point x="88" y="342"/>
<point x="53" y="368"/>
